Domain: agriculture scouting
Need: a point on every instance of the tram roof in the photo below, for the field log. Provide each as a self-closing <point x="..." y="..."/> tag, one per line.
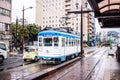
<point x="57" y="33"/>
<point x="107" y="12"/>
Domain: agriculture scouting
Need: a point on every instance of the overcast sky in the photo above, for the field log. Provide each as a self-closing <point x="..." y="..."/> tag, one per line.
<point x="17" y="6"/>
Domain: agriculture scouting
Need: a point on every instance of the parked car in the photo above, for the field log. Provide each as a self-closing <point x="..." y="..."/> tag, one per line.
<point x="30" y="53"/>
<point x="3" y="52"/>
<point x="85" y="44"/>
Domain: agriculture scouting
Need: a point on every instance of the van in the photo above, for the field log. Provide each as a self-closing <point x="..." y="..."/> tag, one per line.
<point x="3" y="52"/>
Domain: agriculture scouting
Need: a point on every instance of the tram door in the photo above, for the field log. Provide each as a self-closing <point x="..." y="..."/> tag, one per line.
<point x="63" y="45"/>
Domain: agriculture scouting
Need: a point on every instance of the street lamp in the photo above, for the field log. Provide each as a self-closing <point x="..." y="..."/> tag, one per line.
<point x="23" y="26"/>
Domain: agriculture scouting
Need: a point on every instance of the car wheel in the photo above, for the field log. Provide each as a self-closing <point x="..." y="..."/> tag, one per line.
<point x="1" y="59"/>
<point x="25" y="60"/>
<point x="36" y="59"/>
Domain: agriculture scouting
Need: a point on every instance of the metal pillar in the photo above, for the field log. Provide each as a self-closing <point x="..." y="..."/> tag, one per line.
<point x="23" y="31"/>
<point x="82" y="51"/>
<point x="16" y="32"/>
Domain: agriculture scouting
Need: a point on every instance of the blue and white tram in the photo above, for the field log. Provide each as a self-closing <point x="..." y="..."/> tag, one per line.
<point x="56" y="47"/>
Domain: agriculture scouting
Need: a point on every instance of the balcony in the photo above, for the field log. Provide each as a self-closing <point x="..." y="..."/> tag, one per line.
<point x="67" y="1"/>
<point x="68" y="8"/>
<point x="68" y="4"/>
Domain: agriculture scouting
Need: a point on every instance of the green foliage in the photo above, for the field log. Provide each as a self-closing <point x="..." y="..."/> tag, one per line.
<point x="28" y="29"/>
<point x="33" y="29"/>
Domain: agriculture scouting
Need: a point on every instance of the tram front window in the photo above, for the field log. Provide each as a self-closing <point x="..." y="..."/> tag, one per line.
<point x="47" y="41"/>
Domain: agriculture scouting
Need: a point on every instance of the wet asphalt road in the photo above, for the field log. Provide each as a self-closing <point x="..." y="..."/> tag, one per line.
<point x="11" y="62"/>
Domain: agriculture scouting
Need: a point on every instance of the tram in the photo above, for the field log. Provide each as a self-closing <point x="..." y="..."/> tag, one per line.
<point x="57" y="46"/>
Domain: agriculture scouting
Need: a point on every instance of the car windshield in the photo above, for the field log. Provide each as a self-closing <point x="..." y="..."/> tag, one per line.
<point x="29" y="49"/>
<point x="2" y="46"/>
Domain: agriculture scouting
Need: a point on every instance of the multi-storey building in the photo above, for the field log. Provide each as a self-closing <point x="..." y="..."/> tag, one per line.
<point x="49" y="13"/>
<point x="91" y="27"/>
<point x="5" y="16"/>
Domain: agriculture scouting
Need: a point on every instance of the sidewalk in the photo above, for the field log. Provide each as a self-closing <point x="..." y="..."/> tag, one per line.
<point x="15" y="53"/>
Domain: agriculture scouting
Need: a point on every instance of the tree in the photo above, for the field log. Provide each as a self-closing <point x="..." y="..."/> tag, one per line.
<point x="29" y="31"/>
<point x="33" y="31"/>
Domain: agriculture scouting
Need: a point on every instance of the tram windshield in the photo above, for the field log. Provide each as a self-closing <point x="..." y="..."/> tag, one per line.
<point x="47" y="42"/>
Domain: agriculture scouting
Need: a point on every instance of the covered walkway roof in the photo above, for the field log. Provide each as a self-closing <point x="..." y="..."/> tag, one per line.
<point x="107" y="12"/>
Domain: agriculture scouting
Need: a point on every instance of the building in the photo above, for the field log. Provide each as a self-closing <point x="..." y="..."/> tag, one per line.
<point x="5" y="17"/>
<point x="91" y="27"/>
<point x="53" y="13"/>
<point x="49" y="13"/>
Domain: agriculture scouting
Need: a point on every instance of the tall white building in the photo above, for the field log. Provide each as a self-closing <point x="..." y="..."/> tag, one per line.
<point x="49" y="12"/>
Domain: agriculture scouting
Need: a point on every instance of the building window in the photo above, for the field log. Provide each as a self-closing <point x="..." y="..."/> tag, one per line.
<point x="6" y="27"/>
<point x="0" y="11"/>
<point x="9" y="1"/>
<point x="3" y="27"/>
<point x="0" y="26"/>
<point x="4" y="12"/>
<point x="77" y="24"/>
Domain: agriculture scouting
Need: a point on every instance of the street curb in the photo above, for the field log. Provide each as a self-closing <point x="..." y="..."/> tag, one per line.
<point x="12" y="53"/>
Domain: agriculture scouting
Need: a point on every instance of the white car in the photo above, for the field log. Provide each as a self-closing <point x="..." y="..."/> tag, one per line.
<point x="3" y="52"/>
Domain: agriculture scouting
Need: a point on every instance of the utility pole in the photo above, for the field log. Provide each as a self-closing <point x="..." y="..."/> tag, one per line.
<point x="82" y="51"/>
<point x="16" y="32"/>
<point x="23" y="31"/>
<point x="23" y="27"/>
<point x="81" y="12"/>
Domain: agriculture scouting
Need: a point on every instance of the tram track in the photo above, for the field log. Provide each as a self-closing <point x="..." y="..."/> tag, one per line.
<point x="97" y="64"/>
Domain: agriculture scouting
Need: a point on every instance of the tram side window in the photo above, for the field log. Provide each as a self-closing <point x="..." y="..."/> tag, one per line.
<point x="40" y="41"/>
<point x="77" y="42"/>
<point x="66" y="41"/>
<point x="63" y="42"/>
<point x="47" y="41"/>
<point x="72" y="42"/>
<point x="56" y="41"/>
